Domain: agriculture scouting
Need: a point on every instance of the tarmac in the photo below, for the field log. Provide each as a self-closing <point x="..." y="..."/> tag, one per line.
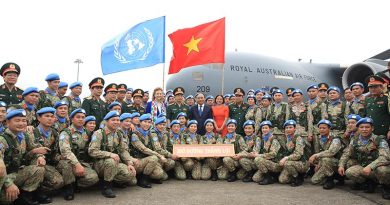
<point x="221" y="192"/>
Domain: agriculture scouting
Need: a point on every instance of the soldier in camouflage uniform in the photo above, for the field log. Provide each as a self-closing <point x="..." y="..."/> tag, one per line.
<point x="326" y="161"/>
<point x="112" y="161"/>
<point x="193" y="166"/>
<point x="142" y="148"/>
<point x="22" y="176"/>
<point x="268" y="159"/>
<point x="75" y="163"/>
<point x="94" y="105"/>
<point x="31" y="98"/>
<point x="266" y="101"/>
<point x="336" y="111"/>
<point x="372" y="154"/>
<point x="175" y="137"/>
<point x="238" y="109"/>
<point x="177" y="107"/>
<point x="301" y="114"/>
<point x="254" y="112"/>
<point x="47" y="137"/>
<point x="351" y="130"/>
<point x="73" y="99"/>
<point x="231" y="165"/>
<point x="137" y="105"/>
<point x="278" y="113"/>
<point x="89" y="124"/>
<point x="9" y="93"/>
<point x="62" y="118"/>
<point x="357" y="104"/>
<point x="62" y="89"/>
<point x="296" y="155"/>
<point x="322" y="92"/>
<point x="3" y="113"/>
<point x="211" y="164"/>
<point x="317" y="109"/>
<point x="49" y="96"/>
<point x="259" y="93"/>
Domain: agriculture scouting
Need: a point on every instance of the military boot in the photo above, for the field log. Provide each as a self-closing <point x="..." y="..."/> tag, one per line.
<point x="386" y="192"/>
<point x="357" y="186"/>
<point x="25" y="198"/>
<point x="232" y="176"/>
<point x="329" y="183"/>
<point x="188" y="174"/>
<point x="340" y="179"/>
<point x="107" y="190"/>
<point x="68" y="192"/>
<point x="142" y="181"/>
<point x="268" y="179"/>
<point x="214" y="175"/>
<point x="248" y="176"/>
<point x="298" y="181"/>
<point x="371" y="186"/>
<point x="42" y="197"/>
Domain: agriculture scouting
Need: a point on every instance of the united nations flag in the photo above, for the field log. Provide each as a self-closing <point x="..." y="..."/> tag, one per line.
<point x="141" y="46"/>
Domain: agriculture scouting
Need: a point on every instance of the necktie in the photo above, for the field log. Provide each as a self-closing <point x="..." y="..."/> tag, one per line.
<point x="200" y="110"/>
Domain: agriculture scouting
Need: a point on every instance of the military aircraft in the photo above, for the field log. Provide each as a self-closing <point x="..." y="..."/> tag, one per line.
<point x="253" y="71"/>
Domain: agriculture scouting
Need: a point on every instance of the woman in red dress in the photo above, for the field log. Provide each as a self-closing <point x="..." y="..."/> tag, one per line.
<point x="220" y="114"/>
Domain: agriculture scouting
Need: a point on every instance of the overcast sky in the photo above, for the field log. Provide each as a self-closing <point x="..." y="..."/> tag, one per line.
<point x="47" y="36"/>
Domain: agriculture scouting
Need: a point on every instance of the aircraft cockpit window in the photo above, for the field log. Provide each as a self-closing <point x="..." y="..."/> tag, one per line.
<point x="197" y="76"/>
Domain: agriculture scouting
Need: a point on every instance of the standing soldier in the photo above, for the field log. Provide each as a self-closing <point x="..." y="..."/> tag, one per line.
<point x="278" y="113"/>
<point x="259" y="93"/>
<point x="254" y="112"/>
<point x="371" y="154"/>
<point x="357" y="104"/>
<point x="75" y="164"/>
<point x="129" y="97"/>
<point x="49" y="96"/>
<point x="62" y="89"/>
<point x="326" y="160"/>
<point x="9" y="93"/>
<point x="137" y="105"/>
<point x="337" y="111"/>
<point x="73" y="99"/>
<point x="121" y="93"/>
<point x="23" y="176"/>
<point x="378" y="107"/>
<point x="112" y="161"/>
<point x="348" y="96"/>
<point x="300" y="113"/>
<point x="177" y="107"/>
<point x="266" y="101"/>
<point x="94" y="105"/>
<point x="3" y="112"/>
<point x="322" y="92"/>
<point x="290" y="98"/>
<point x="31" y="98"/>
<point x="238" y="109"/>
<point x="317" y="109"/>
<point x="111" y="91"/>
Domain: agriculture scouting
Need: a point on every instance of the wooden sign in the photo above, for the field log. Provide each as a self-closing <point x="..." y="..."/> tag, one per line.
<point x="204" y="150"/>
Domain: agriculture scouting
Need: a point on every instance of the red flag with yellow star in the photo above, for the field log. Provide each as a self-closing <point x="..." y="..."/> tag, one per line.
<point x="199" y="45"/>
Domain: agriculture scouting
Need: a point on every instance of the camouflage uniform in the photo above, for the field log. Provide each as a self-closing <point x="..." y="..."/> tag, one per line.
<point x="297" y="155"/>
<point x="238" y="113"/>
<point x="373" y="153"/>
<point x="255" y="113"/>
<point x="73" y="102"/>
<point x="193" y="165"/>
<point x="160" y="144"/>
<point x="30" y="114"/>
<point x="327" y="159"/>
<point x="53" y="179"/>
<point x="17" y="160"/>
<point x="47" y="98"/>
<point x="304" y="119"/>
<point x="179" y="171"/>
<point x="103" y="144"/>
<point x="142" y="147"/>
<point x="317" y="109"/>
<point x="278" y="114"/>
<point x="230" y="164"/>
<point x="246" y="162"/>
<point x="73" y="147"/>
<point x="268" y="160"/>
<point x="210" y="164"/>
<point x="60" y="126"/>
<point x="337" y="113"/>
<point x="357" y="106"/>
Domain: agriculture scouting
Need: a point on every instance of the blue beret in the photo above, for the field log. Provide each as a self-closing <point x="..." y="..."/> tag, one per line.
<point x="209" y="120"/>
<point x="269" y="123"/>
<point x="356" y="84"/>
<point x="174" y="122"/>
<point x="192" y="122"/>
<point x="60" y="103"/>
<point x="162" y="115"/>
<point x="160" y="120"/>
<point x="249" y="122"/>
<point x="277" y="91"/>
<point x="89" y="119"/>
<point x="209" y="97"/>
<point x="259" y="91"/>
<point x="135" y="114"/>
<point x="250" y="90"/>
<point x="78" y="110"/>
<point x="62" y="84"/>
<point x="114" y="104"/>
<point x="226" y="96"/>
<point x="333" y="88"/>
<point x="365" y="120"/>
<point x="354" y="117"/>
<point x="290" y="122"/>
<point x="145" y="117"/>
<point x="251" y="96"/>
<point x="297" y="91"/>
<point x="169" y="91"/>
<point x="30" y="90"/>
<point x="181" y="114"/>
<point x="326" y="122"/>
<point x="15" y="113"/>
<point x="46" y="110"/>
<point x="231" y="121"/>
<point x="190" y="97"/>
<point x="312" y="86"/>
<point x="3" y="104"/>
<point x="125" y="116"/>
<point x="111" y="114"/>
<point x="268" y="97"/>
<point x="75" y="84"/>
<point x="129" y="89"/>
<point x="52" y="76"/>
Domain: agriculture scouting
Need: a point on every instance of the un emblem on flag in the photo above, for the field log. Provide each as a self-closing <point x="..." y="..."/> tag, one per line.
<point x="134" y="46"/>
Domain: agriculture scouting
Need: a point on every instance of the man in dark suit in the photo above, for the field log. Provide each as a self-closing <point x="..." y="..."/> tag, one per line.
<point x="200" y="112"/>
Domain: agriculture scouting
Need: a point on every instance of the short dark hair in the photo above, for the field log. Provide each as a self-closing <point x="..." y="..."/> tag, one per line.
<point x="223" y="99"/>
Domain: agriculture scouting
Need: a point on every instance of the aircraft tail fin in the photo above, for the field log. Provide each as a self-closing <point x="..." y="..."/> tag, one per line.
<point x="382" y="56"/>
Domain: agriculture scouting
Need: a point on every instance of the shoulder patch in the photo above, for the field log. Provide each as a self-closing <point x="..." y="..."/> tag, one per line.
<point x="336" y="141"/>
<point x="62" y="137"/>
<point x="1" y="146"/>
<point x="383" y="144"/>
<point x="133" y="139"/>
<point x="155" y="139"/>
<point x="93" y="138"/>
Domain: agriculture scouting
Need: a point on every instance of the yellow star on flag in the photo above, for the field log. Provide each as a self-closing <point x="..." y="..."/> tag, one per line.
<point x="192" y="45"/>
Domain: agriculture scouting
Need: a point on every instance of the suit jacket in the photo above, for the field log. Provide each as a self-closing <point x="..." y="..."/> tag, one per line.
<point x="206" y="114"/>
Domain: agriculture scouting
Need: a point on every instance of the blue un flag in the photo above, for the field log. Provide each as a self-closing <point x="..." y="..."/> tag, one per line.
<point x="141" y="46"/>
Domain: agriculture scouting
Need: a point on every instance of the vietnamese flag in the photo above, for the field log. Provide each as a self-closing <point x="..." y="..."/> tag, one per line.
<point x="199" y="45"/>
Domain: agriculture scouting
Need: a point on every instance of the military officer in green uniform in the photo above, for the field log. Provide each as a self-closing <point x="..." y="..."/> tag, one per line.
<point x="94" y="105"/>
<point x="9" y="93"/>
<point x="111" y="91"/>
<point x="177" y="107"/>
<point x="49" y="96"/>
<point x="137" y="105"/>
<point x="322" y="92"/>
<point x="378" y="106"/>
<point x="122" y="88"/>
<point x="238" y="109"/>
<point x="73" y="99"/>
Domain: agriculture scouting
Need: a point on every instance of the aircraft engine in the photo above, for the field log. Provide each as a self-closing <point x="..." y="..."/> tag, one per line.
<point x="358" y="72"/>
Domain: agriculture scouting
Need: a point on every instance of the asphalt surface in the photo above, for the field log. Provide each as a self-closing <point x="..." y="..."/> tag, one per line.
<point x="222" y="192"/>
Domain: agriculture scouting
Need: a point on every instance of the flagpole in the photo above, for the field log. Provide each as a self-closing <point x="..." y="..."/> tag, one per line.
<point x="163" y="81"/>
<point x="223" y="79"/>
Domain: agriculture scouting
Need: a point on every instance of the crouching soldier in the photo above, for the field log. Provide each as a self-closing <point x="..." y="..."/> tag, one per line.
<point x="295" y="162"/>
<point x="372" y="156"/>
<point x="193" y="166"/>
<point x="23" y="178"/>
<point x="75" y="164"/>
<point x="112" y="161"/>
<point x="175" y="137"/>
<point x="211" y="164"/>
<point x="326" y="160"/>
